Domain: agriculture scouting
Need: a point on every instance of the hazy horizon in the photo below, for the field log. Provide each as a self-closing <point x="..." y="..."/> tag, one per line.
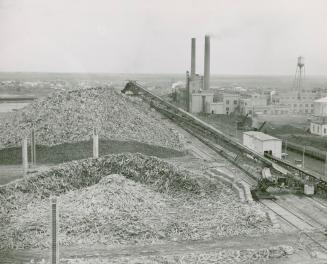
<point x="162" y="73"/>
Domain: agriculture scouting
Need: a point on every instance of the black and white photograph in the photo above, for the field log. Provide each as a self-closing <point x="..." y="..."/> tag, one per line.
<point x="163" y="131"/>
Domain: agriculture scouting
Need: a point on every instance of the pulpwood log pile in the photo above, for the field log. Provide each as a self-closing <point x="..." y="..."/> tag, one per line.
<point x="153" y="201"/>
<point x="70" y="116"/>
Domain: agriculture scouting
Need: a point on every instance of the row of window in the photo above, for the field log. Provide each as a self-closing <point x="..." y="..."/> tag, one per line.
<point x="318" y="129"/>
<point x="300" y="105"/>
<point x="277" y="112"/>
<point x="235" y="102"/>
<point x="302" y="97"/>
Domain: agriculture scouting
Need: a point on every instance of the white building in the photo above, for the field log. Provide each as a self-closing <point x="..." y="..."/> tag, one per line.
<point x="296" y="104"/>
<point x="320" y="107"/>
<point x="263" y="143"/>
<point x="216" y="108"/>
<point x="318" y="126"/>
<point x="200" y="101"/>
<point x="231" y="101"/>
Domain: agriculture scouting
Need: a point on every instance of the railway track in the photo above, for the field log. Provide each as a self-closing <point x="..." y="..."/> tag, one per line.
<point x="301" y="225"/>
<point x="306" y="227"/>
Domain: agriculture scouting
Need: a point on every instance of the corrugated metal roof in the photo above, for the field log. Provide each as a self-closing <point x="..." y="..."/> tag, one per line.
<point x="259" y="135"/>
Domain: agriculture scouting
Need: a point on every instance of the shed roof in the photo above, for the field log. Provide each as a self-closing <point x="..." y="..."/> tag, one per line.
<point x="259" y="135"/>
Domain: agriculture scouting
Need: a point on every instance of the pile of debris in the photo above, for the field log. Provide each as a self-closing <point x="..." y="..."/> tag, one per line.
<point x="114" y="211"/>
<point x="70" y="116"/>
<point x="143" y="200"/>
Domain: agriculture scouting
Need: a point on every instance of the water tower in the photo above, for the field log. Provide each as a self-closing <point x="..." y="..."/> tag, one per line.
<point x="299" y="76"/>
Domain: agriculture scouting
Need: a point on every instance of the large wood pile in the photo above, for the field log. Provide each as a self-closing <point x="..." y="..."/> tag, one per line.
<point x="149" y="200"/>
<point x="70" y="116"/>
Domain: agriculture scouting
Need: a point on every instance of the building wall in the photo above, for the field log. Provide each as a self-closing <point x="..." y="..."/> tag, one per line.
<point x="320" y="109"/>
<point x="260" y="146"/>
<point x="208" y="98"/>
<point x="196" y="103"/>
<point x="296" y="105"/>
<point x="248" y="141"/>
<point x="273" y="145"/>
<point x="196" y="83"/>
<point x="266" y="110"/>
<point x="318" y="129"/>
<point x="231" y="101"/>
<point x="216" y="108"/>
<point x="200" y="102"/>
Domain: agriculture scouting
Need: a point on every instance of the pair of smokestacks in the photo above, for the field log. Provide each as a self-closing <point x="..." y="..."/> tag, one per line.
<point x="206" y="75"/>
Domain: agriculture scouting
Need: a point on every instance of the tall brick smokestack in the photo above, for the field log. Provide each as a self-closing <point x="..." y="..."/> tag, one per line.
<point x="206" y="81"/>
<point x="193" y="56"/>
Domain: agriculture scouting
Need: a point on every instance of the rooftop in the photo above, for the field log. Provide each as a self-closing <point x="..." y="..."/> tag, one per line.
<point x="259" y="135"/>
<point x="321" y="100"/>
<point x="203" y="93"/>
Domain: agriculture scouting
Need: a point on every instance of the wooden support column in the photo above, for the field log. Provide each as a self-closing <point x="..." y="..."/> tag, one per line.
<point x="24" y="156"/>
<point x="54" y="231"/>
<point x="95" y="143"/>
<point x="33" y="148"/>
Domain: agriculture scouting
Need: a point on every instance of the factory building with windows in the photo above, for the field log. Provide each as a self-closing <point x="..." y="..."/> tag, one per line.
<point x="199" y="97"/>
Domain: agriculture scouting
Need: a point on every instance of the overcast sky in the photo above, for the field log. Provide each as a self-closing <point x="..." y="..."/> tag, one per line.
<point x="153" y="36"/>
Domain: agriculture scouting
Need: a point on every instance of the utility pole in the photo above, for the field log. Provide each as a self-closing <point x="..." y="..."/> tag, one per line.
<point x="303" y="157"/>
<point x="325" y="172"/>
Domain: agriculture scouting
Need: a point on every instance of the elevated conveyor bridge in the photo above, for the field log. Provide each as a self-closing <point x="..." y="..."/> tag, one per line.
<point x="209" y="133"/>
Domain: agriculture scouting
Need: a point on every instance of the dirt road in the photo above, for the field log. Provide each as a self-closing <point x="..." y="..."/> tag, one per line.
<point x="167" y="248"/>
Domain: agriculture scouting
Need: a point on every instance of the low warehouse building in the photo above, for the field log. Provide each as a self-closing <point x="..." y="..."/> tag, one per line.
<point x="263" y="143"/>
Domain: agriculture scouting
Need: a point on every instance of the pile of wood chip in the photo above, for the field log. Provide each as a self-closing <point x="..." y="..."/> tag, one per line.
<point x="149" y="201"/>
<point x="70" y="116"/>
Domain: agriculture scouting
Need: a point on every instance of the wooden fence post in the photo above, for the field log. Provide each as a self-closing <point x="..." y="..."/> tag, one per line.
<point x="24" y="156"/>
<point x="95" y="143"/>
<point x="54" y="231"/>
<point x="33" y="148"/>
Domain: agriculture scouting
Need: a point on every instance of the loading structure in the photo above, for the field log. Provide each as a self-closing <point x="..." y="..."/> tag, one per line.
<point x="227" y="146"/>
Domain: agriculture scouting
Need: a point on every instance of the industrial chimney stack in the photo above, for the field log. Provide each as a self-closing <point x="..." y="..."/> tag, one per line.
<point x="193" y="57"/>
<point x="206" y="81"/>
